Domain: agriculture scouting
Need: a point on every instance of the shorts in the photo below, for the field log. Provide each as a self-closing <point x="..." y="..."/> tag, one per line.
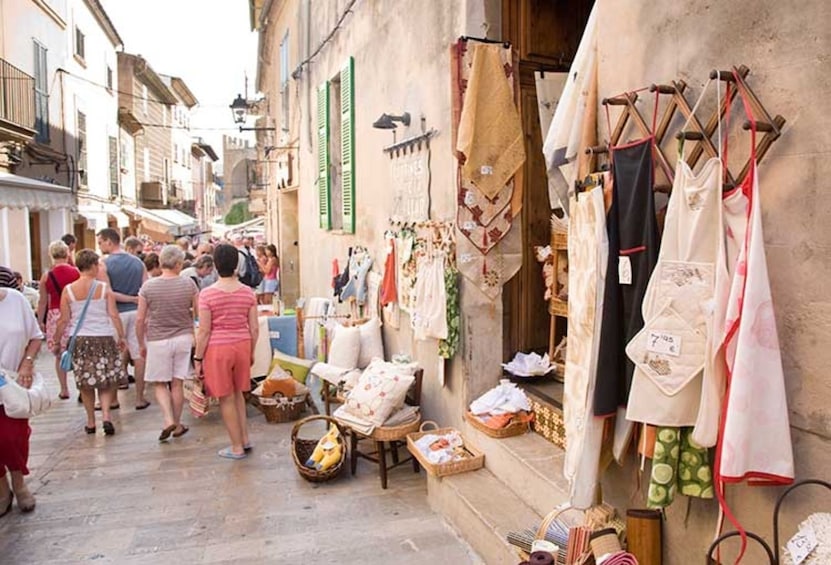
<point x="168" y="359"/>
<point x="227" y="368"/>
<point x="270" y="286"/>
<point x="52" y="317"/>
<point x="128" y="323"/>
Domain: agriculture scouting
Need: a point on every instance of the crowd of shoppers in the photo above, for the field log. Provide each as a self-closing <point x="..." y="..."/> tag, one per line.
<point x="171" y="312"/>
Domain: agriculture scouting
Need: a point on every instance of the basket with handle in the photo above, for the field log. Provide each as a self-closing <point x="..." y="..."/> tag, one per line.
<point x="472" y="463"/>
<point x="301" y="450"/>
<point x="515" y="428"/>
<point x="542" y="531"/>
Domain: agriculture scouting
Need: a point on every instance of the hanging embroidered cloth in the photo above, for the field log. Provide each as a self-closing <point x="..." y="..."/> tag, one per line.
<point x="405" y="260"/>
<point x="563" y="140"/>
<point x="490" y="130"/>
<point x="483" y="219"/>
<point x="489" y="272"/>
<point x="449" y="346"/>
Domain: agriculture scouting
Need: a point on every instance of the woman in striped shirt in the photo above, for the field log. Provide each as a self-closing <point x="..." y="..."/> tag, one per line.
<point x="225" y="344"/>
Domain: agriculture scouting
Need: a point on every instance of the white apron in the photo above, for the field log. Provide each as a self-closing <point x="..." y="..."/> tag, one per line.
<point x="677" y="381"/>
<point x="587" y="255"/>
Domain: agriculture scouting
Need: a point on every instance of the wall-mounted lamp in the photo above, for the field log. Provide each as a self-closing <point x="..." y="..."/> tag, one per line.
<point x="239" y="109"/>
<point x="387" y="121"/>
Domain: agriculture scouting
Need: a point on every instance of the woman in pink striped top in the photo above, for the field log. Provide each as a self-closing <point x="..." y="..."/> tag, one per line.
<point x="225" y="343"/>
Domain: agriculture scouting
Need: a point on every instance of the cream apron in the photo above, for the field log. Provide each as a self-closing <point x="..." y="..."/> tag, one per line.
<point x="676" y="380"/>
<point x="587" y="255"/>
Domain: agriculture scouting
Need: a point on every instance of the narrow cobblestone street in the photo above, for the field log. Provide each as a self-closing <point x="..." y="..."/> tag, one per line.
<point x="131" y="499"/>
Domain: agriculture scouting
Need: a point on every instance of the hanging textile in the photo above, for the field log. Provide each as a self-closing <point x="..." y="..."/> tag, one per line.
<point x="482" y="218"/>
<point x="633" y="251"/>
<point x="429" y="317"/>
<point x="588" y="255"/>
<point x="490" y="272"/>
<point x="549" y="89"/>
<point x="755" y="441"/>
<point x="389" y="292"/>
<point x="405" y="258"/>
<point x="449" y="346"/>
<point x="676" y="381"/>
<point x="679" y="465"/>
<point x="490" y="131"/>
<point x="563" y="140"/>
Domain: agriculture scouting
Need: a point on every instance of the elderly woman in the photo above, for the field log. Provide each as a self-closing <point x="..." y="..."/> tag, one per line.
<point x="225" y="344"/>
<point x="51" y="286"/>
<point x="96" y="361"/>
<point x="164" y="325"/>
<point x="20" y="340"/>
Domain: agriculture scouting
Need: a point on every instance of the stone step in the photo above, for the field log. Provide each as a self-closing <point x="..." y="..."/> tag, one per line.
<point x="530" y="466"/>
<point x="482" y="509"/>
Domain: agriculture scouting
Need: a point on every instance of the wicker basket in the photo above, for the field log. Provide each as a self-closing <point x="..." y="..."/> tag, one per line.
<point x="281" y="409"/>
<point x="472" y="463"/>
<point x="301" y="450"/>
<point x="395" y="433"/>
<point x="557" y="307"/>
<point x="559" y="240"/>
<point x="511" y="430"/>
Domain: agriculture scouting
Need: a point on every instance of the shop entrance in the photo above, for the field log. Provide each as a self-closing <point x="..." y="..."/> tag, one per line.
<point x="545" y="36"/>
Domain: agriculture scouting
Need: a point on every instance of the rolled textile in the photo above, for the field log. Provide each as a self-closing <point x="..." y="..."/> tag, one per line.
<point x="541" y="558"/>
<point x="604" y="542"/>
<point x="643" y="535"/>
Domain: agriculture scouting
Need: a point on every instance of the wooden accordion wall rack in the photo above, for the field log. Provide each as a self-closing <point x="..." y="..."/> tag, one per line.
<point x="701" y="132"/>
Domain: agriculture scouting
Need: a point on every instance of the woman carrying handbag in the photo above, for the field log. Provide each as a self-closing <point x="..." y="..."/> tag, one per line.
<point x="88" y="307"/>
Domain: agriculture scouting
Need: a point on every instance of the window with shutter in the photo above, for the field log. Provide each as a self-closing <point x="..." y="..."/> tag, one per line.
<point x="41" y="95"/>
<point x="323" y="177"/>
<point x="81" y="124"/>
<point x="114" y="190"/>
<point x="347" y="140"/>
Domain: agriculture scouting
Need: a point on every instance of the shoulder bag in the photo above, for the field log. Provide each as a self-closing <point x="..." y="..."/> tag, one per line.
<point x="66" y="356"/>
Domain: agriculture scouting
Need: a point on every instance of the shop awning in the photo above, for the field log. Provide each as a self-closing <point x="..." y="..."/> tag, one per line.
<point x="97" y="215"/>
<point x="22" y="192"/>
<point x="173" y="222"/>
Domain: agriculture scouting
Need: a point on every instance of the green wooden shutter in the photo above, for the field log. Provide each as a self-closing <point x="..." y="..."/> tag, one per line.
<point x="347" y="140"/>
<point x="323" y="179"/>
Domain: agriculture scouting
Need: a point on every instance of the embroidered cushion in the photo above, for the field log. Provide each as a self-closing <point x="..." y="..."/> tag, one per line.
<point x="345" y="348"/>
<point x="379" y="392"/>
<point x="372" y="343"/>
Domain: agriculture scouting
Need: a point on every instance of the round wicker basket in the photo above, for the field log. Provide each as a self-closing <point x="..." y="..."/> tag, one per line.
<point x="301" y="450"/>
<point x="280" y="410"/>
<point x="395" y="433"/>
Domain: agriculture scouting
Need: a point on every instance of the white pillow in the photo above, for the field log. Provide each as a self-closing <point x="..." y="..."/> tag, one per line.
<point x="345" y="348"/>
<point x="372" y="342"/>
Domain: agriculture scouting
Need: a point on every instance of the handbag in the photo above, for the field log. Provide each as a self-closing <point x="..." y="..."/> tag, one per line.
<point x="198" y="400"/>
<point x="22" y="403"/>
<point x="66" y="356"/>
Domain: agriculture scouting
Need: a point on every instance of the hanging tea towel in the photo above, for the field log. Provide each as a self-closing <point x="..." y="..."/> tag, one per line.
<point x="490" y="131"/>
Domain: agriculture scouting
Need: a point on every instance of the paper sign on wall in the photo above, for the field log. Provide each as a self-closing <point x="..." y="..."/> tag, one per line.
<point x="411" y="185"/>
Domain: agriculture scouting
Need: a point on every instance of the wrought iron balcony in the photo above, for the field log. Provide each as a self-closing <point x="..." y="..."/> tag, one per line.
<point x="17" y="104"/>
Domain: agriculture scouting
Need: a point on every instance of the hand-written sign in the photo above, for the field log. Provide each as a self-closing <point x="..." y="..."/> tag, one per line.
<point x="663" y="342"/>
<point x="802" y="544"/>
<point x="411" y="185"/>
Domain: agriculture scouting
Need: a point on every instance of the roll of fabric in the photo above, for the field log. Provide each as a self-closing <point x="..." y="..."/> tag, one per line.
<point x="620" y="558"/>
<point x="643" y="534"/>
<point x="541" y="558"/>
<point x="604" y="542"/>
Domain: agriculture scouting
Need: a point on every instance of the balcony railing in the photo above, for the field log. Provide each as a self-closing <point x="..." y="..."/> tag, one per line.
<point x="17" y="97"/>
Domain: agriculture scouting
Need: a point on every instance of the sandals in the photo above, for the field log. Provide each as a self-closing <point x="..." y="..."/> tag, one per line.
<point x="113" y="407"/>
<point x="182" y="430"/>
<point x="64" y="396"/>
<point x="142" y="406"/>
<point x="25" y="500"/>
<point x="247" y="447"/>
<point x="228" y="454"/>
<point x="109" y="429"/>
<point x="166" y="432"/>
<point x="89" y="430"/>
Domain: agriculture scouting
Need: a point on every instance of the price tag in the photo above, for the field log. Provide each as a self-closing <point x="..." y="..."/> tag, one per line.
<point x="663" y="342"/>
<point x="486" y="170"/>
<point x="624" y="270"/>
<point x="470" y="198"/>
<point x="802" y="544"/>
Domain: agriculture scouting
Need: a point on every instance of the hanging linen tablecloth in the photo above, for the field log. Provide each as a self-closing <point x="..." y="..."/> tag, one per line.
<point x="490" y="272"/>
<point x="587" y="255"/>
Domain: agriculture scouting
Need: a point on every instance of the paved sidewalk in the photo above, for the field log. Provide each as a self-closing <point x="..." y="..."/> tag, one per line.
<point x="131" y="499"/>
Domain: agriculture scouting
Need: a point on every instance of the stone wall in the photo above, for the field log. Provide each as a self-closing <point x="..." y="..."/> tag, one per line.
<point x="786" y="47"/>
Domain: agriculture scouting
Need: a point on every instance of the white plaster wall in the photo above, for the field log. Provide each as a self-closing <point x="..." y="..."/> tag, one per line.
<point x="89" y="95"/>
<point x="786" y="46"/>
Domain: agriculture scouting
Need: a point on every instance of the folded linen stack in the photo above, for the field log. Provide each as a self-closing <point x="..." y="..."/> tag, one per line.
<point x="444" y="448"/>
<point x="502" y="405"/>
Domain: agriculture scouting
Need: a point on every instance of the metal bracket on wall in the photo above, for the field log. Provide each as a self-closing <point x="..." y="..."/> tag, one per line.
<point x="411" y="143"/>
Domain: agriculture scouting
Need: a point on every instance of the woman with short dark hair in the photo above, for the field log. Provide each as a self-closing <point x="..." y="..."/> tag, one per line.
<point x="225" y="344"/>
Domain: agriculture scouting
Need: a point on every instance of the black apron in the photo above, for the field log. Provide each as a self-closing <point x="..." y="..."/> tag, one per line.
<point x="633" y="247"/>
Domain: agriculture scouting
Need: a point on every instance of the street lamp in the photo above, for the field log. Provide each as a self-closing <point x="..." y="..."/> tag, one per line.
<point x="239" y="109"/>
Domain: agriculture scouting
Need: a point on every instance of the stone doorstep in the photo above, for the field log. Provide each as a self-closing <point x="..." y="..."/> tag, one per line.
<point x="529" y="465"/>
<point x="482" y="509"/>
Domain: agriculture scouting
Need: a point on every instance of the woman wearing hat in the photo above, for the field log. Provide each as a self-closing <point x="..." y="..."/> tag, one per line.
<point x="20" y="339"/>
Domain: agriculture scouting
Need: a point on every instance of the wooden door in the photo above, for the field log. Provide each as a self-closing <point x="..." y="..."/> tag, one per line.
<point x="545" y="35"/>
<point x="36" y="246"/>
